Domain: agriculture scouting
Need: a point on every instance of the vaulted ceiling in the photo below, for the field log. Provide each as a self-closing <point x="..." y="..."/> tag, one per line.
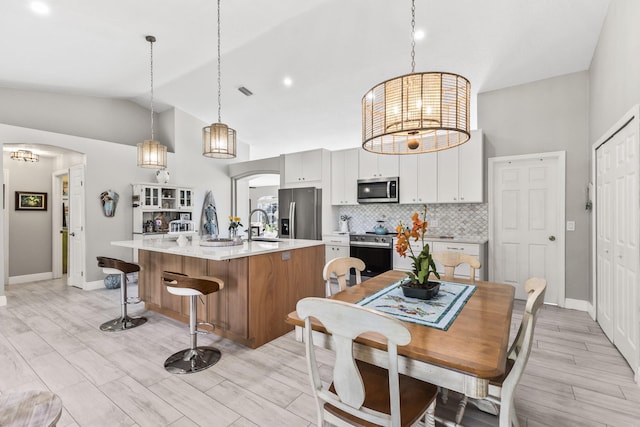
<point x="333" y="51"/>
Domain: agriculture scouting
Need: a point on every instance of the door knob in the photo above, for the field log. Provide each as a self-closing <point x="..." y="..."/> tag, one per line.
<point x="72" y="234"/>
<point x="552" y="238"/>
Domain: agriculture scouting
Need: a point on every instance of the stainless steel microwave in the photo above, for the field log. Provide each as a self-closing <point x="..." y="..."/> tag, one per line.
<point x="378" y="190"/>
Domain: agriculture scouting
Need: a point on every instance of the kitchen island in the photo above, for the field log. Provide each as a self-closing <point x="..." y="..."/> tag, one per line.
<point x="263" y="281"/>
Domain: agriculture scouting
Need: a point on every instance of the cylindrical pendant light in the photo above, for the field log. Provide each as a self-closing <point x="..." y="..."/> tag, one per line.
<point x="219" y="140"/>
<point x="151" y="153"/>
<point x="416" y="113"/>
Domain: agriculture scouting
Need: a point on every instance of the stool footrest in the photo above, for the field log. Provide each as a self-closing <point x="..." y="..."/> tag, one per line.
<point x="133" y="300"/>
<point x="204" y="331"/>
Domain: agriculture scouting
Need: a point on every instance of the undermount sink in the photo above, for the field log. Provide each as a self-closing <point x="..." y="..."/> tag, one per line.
<point x="266" y="239"/>
<point x="210" y="241"/>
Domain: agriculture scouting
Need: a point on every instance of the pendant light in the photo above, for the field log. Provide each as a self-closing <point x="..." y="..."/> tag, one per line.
<point x="416" y="113"/>
<point x="219" y="140"/>
<point x="25" y="156"/>
<point x="152" y="154"/>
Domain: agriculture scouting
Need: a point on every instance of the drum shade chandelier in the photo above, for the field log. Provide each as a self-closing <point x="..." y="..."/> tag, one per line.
<point x="25" y="156"/>
<point x="219" y="140"/>
<point x="416" y="113"/>
<point x="152" y="154"/>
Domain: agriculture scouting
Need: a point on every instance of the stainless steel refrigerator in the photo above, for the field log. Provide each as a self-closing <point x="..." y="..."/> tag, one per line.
<point x="300" y="213"/>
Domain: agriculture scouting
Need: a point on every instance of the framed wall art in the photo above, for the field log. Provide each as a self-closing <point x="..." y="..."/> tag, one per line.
<point x="31" y="201"/>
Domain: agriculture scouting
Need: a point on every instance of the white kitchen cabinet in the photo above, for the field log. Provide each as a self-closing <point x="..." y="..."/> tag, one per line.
<point x="335" y="246"/>
<point x="303" y="168"/>
<point x="165" y="201"/>
<point x="372" y="165"/>
<point x="460" y="172"/>
<point x="185" y="198"/>
<point x="477" y="250"/>
<point x="344" y="177"/>
<point x="149" y="196"/>
<point x="419" y="178"/>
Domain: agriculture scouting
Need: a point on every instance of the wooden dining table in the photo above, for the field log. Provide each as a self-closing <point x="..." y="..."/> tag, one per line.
<point x="463" y="358"/>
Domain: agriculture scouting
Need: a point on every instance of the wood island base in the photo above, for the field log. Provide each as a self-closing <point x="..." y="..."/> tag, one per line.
<point x="259" y="290"/>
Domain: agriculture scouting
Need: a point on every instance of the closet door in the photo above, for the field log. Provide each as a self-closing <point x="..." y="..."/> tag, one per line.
<point x="625" y="249"/>
<point x="617" y="174"/>
<point x="604" y="232"/>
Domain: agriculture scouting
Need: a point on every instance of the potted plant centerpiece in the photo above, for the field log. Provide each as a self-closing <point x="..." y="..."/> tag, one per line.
<point x="417" y="283"/>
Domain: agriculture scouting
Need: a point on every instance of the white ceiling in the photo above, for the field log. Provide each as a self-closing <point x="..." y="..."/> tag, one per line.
<point x="333" y="50"/>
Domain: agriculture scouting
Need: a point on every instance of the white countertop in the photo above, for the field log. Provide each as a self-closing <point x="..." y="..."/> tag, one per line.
<point x="219" y="253"/>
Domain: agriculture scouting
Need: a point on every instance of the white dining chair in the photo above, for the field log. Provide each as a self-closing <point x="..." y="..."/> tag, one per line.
<point x="451" y="260"/>
<point x="361" y="393"/>
<point x="502" y="389"/>
<point x="341" y="268"/>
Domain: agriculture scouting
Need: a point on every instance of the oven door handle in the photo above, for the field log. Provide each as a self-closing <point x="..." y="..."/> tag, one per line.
<point x="371" y="245"/>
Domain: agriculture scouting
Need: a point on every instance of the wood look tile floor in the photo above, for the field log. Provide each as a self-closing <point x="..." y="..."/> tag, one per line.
<point x="49" y="340"/>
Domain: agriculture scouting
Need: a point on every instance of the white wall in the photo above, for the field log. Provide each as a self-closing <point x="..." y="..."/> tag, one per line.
<point x="548" y="115"/>
<point x="615" y="68"/>
<point x="106" y="119"/>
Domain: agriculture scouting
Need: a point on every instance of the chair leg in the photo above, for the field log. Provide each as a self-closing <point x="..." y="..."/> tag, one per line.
<point x="430" y="416"/>
<point x="193" y="359"/>
<point x="462" y="406"/>
<point x="124" y="321"/>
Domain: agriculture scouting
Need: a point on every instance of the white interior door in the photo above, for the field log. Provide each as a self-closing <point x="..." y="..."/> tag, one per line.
<point x="76" y="227"/>
<point x="617" y="252"/>
<point x="604" y="238"/>
<point x="5" y="239"/>
<point x="526" y="218"/>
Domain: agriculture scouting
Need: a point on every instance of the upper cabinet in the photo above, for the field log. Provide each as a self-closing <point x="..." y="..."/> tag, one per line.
<point x="344" y="175"/>
<point x="372" y="165"/>
<point x="162" y="197"/>
<point x="303" y="169"/>
<point x="460" y="172"/>
<point x="419" y="178"/>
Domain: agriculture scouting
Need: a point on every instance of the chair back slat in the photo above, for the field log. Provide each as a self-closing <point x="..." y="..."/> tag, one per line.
<point x="204" y="285"/>
<point x="125" y="267"/>
<point x="450" y="260"/>
<point x="345" y="322"/>
<point x="342" y="267"/>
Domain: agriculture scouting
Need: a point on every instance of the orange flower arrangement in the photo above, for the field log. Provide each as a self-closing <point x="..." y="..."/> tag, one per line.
<point x="423" y="264"/>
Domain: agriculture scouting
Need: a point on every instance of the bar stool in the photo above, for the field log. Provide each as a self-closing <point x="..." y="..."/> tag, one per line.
<point x="116" y="266"/>
<point x="194" y="358"/>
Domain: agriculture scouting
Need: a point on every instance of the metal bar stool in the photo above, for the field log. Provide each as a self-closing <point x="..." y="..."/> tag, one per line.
<point x="194" y="358"/>
<point x="116" y="266"/>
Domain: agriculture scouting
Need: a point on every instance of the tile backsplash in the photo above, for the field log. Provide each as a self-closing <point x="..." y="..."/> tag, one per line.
<point x="458" y="220"/>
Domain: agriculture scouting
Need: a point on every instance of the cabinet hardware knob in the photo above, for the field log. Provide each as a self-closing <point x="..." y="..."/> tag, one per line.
<point x="552" y="238"/>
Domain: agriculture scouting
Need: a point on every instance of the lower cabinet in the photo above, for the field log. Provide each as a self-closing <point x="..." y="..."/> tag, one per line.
<point x="335" y="246"/>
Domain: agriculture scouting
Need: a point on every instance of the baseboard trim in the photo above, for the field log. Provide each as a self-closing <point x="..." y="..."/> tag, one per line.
<point x="3" y="300"/>
<point x="577" y="304"/>
<point x="15" y="280"/>
<point x="92" y="286"/>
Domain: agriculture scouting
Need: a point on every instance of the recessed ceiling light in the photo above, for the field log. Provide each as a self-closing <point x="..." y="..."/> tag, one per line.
<point x="39" y="7"/>
<point x="419" y="35"/>
<point x="287" y="81"/>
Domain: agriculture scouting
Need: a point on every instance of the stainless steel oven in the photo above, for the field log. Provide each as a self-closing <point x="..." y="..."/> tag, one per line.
<point x="376" y="251"/>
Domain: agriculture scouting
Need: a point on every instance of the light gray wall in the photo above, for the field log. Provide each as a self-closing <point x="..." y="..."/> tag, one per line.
<point x="543" y="116"/>
<point x="30" y="231"/>
<point x="615" y="68"/>
<point x="113" y="166"/>
<point x="106" y="119"/>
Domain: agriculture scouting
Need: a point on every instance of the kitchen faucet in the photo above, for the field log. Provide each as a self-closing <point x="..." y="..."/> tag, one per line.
<point x="266" y="218"/>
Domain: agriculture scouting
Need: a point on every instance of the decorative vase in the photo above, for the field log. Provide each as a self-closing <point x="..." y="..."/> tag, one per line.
<point x="344" y="226"/>
<point x="162" y="176"/>
<point x="419" y="292"/>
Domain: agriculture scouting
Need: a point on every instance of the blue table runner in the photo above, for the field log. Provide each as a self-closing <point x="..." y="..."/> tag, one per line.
<point x="438" y="312"/>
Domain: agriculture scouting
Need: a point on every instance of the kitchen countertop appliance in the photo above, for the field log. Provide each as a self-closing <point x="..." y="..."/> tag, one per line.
<point x="375" y="250"/>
